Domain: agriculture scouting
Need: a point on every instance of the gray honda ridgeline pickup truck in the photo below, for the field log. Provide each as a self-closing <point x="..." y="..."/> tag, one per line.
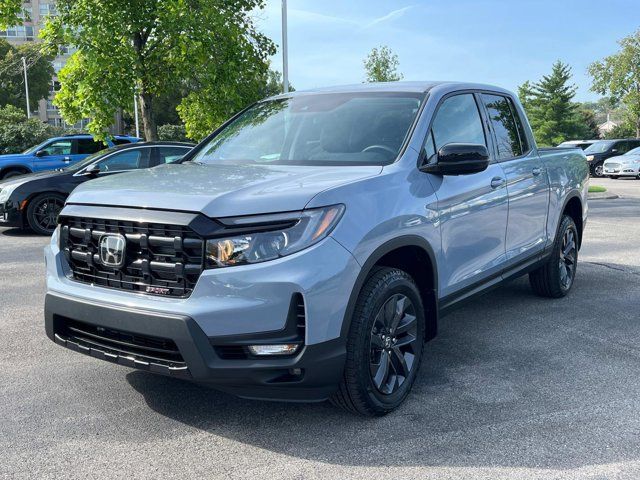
<point x="307" y="248"/>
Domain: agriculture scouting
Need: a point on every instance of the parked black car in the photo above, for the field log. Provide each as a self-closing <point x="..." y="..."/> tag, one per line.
<point x="603" y="149"/>
<point x="582" y="144"/>
<point x="34" y="200"/>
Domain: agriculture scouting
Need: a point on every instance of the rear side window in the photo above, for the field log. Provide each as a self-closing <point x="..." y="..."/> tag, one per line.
<point x="504" y="126"/>
<point x="87" y="146"/>
<point x="457" y="121"/>
<point x="171" y="154"/>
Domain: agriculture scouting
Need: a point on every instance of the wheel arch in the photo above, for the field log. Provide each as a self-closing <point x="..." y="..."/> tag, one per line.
<point x="574" y="208"/>
<point x="414" y="255"/>
<point x="15" y="167"/>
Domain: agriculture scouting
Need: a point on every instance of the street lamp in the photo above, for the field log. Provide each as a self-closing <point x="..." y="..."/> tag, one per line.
<point x="285" y="59"/>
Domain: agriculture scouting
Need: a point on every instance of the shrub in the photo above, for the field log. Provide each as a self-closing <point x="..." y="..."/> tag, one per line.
<point x="175" y="133"/>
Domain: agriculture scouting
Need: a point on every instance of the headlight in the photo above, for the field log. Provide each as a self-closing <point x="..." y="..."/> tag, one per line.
<point x="5" y="193"/>
<point x="590" y="158"/>
<point x="300" y="231"/>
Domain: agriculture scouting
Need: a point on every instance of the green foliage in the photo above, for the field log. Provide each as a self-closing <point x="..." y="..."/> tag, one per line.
<point x="17" y="133"/>
<point x="619" y="76"/>
<point x="10" y="11"/>
<point x="549" y="105"/>
<point x="175" y="133"/>
<point x="39" y="70"/>
<point x="381" y="65"/>
<point x="625" y="129"/>
<point x="210" y="48"/>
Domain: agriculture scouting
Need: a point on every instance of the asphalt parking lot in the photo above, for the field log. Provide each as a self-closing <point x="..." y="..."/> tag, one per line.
<point x="514" y="387"/>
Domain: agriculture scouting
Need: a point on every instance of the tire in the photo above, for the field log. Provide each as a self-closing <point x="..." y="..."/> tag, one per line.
<point x="598" y="171"/>
<point x="556" y="277"/>
<point x="12" y="173"/>
<point x="382" y="361"/>
<point x="43" y="211"/>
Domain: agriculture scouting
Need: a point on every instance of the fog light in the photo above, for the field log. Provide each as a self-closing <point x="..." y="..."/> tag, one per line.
<point x="264" y="350"/>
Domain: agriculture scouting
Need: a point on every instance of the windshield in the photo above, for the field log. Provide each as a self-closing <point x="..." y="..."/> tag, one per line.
<point x="635" y="151"/>
<point x="34" y="148"/>
<point x="87" y="161"/>
<point x="599" y="147"/>
<point x="317" y="129"/>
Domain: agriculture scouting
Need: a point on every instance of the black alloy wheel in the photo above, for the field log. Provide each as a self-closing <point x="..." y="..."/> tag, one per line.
<point x="394" y="343"/>
<point x="568" y="259"/>
<point x="43" y="211"/>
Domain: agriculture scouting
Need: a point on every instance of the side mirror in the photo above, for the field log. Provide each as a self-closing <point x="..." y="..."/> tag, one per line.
<point x="615" y="150"/>
<point x="459" y="159"/>
<point x="92" y="170"/>
<point x="41" y="153"/>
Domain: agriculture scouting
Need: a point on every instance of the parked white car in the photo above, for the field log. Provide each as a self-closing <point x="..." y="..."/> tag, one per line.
<point x="627" y="165"/>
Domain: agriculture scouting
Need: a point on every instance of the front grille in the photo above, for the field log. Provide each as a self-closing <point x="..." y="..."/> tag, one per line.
<point x="159" y="259"/>
<point x="127" y="348"/>
<point x="612" y="165"/>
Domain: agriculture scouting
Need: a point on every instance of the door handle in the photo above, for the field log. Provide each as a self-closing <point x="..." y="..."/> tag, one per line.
<point x="497" y="182"/>
<point x="66" y="159"/>
<point x="536" y="171"/>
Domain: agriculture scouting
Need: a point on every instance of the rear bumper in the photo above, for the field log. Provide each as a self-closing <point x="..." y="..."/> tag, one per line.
<point x="311" y="375"/>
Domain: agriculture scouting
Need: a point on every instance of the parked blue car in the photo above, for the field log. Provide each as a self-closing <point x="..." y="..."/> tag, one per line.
<point x="57" y="152"/>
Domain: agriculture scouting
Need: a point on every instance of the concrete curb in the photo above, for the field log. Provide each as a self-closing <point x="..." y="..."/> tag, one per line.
<point x="602" y="196"/>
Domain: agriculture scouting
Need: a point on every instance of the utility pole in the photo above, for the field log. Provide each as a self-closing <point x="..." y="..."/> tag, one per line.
<point x="285" y="48"/>
<point x="135" y="107"/>
<point x="26" y="86"/>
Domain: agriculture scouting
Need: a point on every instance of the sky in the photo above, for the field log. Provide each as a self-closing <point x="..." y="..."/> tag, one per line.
<point x="487" y="41"/>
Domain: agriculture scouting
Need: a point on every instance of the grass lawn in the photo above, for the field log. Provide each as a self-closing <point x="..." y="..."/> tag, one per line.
<point x="596" y="189"/>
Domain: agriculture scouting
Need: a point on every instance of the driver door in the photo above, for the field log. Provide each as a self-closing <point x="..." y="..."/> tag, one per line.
<point x="472" y="208"/>
<point x="57" y="154"/>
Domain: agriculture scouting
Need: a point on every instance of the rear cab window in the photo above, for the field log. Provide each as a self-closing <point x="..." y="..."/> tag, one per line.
<point x="508" y="129"/>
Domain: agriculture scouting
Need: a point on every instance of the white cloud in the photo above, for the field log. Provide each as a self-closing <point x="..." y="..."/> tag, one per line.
<point x="395" y="14"/>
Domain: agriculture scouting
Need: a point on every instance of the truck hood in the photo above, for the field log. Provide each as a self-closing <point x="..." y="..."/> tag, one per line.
<point x="218" y="190"/>
<point x="13" y="156"/>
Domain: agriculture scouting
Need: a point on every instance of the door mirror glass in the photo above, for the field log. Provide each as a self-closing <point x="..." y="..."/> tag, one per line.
<point x="92" y="170"/>
<point x="41" y="153"/>
<point x="459" y="159"/>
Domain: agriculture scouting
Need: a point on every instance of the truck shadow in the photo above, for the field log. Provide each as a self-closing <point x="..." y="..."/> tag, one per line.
<point x="512" y="381"/>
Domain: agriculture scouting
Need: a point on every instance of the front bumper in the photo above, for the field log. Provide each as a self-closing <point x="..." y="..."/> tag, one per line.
<point x="621" y="171"/>
<point x="244" y="305"/>
<point x="311" y="375"/>
<point x="10" y="215"/>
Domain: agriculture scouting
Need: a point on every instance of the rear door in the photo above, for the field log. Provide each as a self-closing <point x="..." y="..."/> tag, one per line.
<point x="472" y="208"/>
<point x="527" y="181"/>
<point x="86" y="147"/>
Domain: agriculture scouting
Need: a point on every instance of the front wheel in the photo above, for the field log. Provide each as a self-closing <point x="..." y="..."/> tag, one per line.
<point x="43" y="211"/>
<point x="598" y="171"/>
<point x="555" y="278"/>
<point x="384" y="346"/>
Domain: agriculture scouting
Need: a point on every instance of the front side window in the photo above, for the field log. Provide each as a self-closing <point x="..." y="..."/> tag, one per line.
<point x="457" y="121"/>
<point x="317" y="129"/>
<point x="127" y="160"/>
<point x="599" y="147"/>
<point x="504" y="126"/>
<point x="59" y="147"/>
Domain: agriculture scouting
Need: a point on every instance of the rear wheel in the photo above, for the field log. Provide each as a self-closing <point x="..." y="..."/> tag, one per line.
<point x="555" y="278"/>
<point x="43" y="211"/>
<point x="384" y="346"/>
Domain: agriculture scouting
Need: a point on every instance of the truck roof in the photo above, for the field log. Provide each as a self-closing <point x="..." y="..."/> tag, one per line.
<point x="408" y="87"/>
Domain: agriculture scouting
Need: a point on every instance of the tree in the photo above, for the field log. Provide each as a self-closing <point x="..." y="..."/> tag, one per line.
<point x="381" y="65"/>
<point x="549" y="105"/>
<point x="619" y="76"/>
<point x="10" y="13"/>
<point x="17" y="133"/>
<point x="152" y="47"/>
<point x="40" y="72"/>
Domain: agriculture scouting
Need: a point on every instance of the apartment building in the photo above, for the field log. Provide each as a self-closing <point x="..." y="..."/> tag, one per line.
<point x="37" y="11"/>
